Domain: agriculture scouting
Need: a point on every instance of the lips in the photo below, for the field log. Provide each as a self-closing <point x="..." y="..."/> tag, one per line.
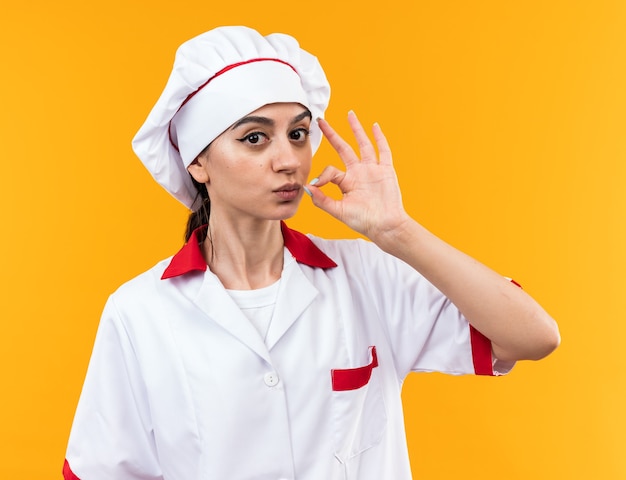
<point x="288" y="192"/>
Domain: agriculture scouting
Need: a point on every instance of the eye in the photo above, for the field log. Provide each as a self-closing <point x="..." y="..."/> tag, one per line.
<point x="254" y="138"/>
<point x="299" y="134"/>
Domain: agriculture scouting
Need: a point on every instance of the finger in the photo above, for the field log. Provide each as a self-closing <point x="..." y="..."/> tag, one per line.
<point x="366" y="149"/>
<point x="329" y="175"/>
<point x="323" y="201"/>
<point x="384" y="150"/>
<point x="345" y="151"/>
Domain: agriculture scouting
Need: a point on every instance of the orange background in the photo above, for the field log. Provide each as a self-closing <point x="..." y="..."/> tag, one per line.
<point x="507" y="126"/>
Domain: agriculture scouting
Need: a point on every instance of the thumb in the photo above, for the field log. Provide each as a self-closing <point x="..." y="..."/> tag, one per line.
<point x="323" y="201"/>
<point x="332" y="175"/>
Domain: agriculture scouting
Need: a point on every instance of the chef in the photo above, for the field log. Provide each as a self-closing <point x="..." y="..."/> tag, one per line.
<point x="258" y="352"/>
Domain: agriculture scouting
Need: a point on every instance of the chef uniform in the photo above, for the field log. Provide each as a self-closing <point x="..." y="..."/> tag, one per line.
<point x="183" y="386"/>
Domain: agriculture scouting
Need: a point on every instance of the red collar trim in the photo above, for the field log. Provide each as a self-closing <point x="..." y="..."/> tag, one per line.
<point x="190" y="258"/>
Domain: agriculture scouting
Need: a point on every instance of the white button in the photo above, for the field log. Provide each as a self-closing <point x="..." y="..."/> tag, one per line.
<point x="271" y="379"/>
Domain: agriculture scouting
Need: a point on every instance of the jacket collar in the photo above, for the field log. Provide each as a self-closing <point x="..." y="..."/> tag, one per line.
<point x="190" y="258"/>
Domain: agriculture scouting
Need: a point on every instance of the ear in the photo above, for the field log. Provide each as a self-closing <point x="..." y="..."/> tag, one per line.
<point x="198" y="171"/>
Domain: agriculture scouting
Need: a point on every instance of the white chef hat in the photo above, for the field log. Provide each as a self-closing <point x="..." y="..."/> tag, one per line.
<point x="219" y="77"/>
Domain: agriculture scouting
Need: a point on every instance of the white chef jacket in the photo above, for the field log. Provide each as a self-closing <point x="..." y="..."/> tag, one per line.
<point x="181" y="386"/>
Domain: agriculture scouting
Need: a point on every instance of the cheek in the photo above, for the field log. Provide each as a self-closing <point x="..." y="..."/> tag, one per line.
<point x="222" y="161"/>
<point x="306" y="161"/>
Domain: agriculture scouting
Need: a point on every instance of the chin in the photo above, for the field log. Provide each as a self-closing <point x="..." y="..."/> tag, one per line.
<point x="286" y="212"/>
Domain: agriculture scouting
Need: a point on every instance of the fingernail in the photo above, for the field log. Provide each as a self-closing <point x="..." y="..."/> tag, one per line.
<point x="307" y="191"/>
<point x="351" y="112"/>
<point x="314" y="181"/>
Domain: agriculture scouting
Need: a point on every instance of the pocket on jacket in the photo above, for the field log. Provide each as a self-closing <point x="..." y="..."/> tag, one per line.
<point x="358" y="408"/>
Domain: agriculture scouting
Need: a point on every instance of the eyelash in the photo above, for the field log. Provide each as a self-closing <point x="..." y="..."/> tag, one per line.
<point x="246" y="138"/>
<point x="302" y="130"/>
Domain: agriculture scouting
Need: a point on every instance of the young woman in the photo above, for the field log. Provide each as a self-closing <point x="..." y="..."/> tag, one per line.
<point x="257" y="352"/>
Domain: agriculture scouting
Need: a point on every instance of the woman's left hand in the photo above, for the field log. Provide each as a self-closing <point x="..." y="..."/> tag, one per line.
<point x="372" y="205"/>
<point x="371" y="202"/>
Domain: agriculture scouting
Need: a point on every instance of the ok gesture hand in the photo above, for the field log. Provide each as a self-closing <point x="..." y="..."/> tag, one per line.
<point x="371" y="202"/>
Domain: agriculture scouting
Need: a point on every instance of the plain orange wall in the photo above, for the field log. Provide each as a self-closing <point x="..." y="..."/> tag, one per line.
<point x="507" y="122"/>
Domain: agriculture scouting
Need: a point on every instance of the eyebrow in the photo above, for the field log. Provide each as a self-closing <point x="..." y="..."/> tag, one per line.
<point x="268" y="121"/>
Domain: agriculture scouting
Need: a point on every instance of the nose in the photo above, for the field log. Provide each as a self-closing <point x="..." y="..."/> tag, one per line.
<point x="286" y="157"/>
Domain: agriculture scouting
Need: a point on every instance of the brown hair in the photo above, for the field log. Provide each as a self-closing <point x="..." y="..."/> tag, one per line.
<point x="200" y="216"/>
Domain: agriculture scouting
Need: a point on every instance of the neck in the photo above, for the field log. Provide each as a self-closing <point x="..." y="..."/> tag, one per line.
<point x="245" y="255"/>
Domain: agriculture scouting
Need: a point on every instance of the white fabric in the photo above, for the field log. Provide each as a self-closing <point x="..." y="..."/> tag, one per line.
<point x="257" y="305"/>
<point x="181" y="386"/>
<point x="226" y="97"/>
<point x="233" y="95"/>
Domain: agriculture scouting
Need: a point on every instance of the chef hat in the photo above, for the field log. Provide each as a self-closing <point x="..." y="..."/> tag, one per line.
<point x="219" y="77"/>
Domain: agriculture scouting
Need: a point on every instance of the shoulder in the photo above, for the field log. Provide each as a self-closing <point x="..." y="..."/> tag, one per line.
<point x="352" y="251"/>
<point x="363" y="261"/>
<point x="144" y="286"/>
<point x="146" y="303"/>
<point x="339" y="247"/>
